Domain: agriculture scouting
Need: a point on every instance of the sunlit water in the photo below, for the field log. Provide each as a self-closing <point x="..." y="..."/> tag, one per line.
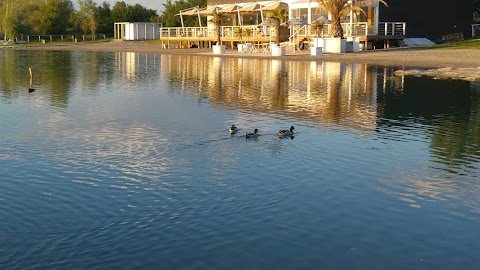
<point x="124" y="161"/>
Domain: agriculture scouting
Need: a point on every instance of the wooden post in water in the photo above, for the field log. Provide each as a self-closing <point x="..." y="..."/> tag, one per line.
<point x="30" y="89"/>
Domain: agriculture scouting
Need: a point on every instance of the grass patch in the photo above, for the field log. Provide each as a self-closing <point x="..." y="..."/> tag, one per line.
<point x="58" y="42"/>
<point x="466" y="44"/>
<point x="154" y="42"/>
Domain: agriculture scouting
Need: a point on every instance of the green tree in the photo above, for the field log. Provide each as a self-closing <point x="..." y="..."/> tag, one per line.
<point x="20" y="16"/>
<point x="248" y="33"/>
<point x="31" y="16"/>
<point x="120" y="12"/>
<point x="218" y="19"/>
<point x="56" y="16"/>
<point x="278" y="16"/>
<point x="138" y="13"/>
<point x="12" y="25"/>
<point x="170" y="19"/>
<point x="318" y="28"/>
<point x="103" y="15"/>
<point x="92" y="24"/>
<point x="339" y="8"/>
<point x="86" y="16"/>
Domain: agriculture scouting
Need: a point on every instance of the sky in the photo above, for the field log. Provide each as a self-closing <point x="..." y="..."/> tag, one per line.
<point x="153" y="4"/>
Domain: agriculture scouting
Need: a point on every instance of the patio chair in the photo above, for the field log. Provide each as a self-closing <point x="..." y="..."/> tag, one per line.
<point x="249" y="48"/>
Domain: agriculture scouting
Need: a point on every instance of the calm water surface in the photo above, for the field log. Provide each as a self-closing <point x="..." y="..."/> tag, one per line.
<point x="124" y="161"/>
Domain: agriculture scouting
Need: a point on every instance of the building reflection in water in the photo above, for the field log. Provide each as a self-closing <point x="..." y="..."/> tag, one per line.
<point x="131" y="64"/>
<point x="340" y="93"/>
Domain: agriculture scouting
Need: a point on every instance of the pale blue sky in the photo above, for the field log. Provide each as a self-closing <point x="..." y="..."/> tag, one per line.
<point x="153" y="4"/>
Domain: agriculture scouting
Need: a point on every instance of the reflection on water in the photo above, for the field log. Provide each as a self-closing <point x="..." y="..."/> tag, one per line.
<point x="317" y="91"/>
<point x="130" y="151"/>
<point x="366" y="98"/>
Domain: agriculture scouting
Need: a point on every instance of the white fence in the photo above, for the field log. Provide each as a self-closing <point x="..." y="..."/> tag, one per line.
<point x="51" y="38"/>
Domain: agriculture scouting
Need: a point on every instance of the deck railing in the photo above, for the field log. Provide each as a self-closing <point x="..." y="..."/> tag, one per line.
<point x="349" y="29"/>
<point x="392" y="29"/>
<point x="226" y="31"/>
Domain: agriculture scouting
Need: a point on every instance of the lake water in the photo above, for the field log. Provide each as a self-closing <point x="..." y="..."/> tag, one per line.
<point x="124" y="161"/>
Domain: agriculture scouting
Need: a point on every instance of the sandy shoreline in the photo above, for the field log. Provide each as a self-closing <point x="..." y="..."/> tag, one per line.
<point x="465" y="59"/>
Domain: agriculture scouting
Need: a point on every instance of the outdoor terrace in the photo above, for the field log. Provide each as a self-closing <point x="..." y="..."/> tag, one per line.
<point x="384" y="31"/>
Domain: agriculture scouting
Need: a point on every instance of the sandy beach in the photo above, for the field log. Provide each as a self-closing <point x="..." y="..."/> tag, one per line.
<point x="458" y="61"/>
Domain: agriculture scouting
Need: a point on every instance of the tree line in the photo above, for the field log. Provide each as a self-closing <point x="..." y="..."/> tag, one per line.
<point x="171" y="8"/>
<point x="59" y="17"/>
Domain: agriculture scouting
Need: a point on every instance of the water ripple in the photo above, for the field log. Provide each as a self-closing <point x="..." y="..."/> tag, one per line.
<point x="131" y="166"/>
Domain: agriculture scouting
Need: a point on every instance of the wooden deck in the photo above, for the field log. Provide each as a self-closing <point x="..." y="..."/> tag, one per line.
<point x="389" y="34"/>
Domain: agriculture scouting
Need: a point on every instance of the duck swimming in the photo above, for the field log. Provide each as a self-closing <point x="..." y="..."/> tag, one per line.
<point x="233" y="129"/>
<point x="285" y="132"/>
<point x="251" y="135"/>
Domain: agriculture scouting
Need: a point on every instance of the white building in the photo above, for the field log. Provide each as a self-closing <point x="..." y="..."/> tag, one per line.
<point x="136" y="31"/>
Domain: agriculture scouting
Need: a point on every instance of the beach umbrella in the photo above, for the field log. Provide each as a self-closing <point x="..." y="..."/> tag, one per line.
<point x="268" y="22"/>
<point x="296" y="21"/>
<point x="293" y="22"/>
<point x="322" y="19"/>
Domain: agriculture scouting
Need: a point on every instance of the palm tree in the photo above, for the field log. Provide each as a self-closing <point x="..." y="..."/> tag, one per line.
<point x="278" y="16"/>
<point x="239" y="32"/>
<point x="318" y="28"/>
<point x="339" y="8"/>
<point x="217" y="20"/>
<point x="248" y="33"/>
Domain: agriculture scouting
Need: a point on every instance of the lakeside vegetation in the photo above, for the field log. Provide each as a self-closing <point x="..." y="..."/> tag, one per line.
<point x="19" y="18"/>
<point x="466" y="44"/>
